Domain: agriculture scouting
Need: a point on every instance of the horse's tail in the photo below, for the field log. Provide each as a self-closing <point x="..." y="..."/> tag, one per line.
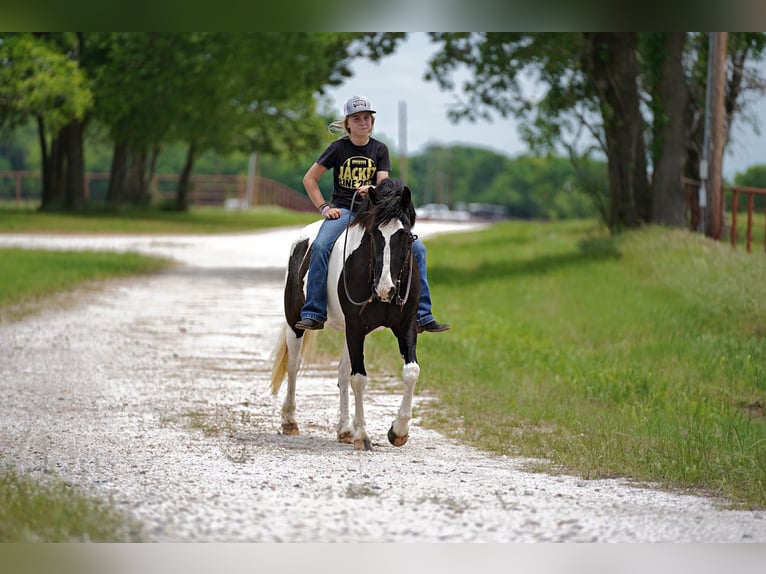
<point x="281" y="356"/>
<point x="279" y="364"/>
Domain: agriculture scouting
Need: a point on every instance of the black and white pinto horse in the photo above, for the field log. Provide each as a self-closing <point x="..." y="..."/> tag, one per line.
<point x="372" y="282"/>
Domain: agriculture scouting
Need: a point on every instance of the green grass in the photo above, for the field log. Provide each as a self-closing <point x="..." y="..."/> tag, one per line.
<point x="28" y="277"/>
<point x="53" y="511"/>
<point x="138" y="221"/>
<point x="639" y="356"/>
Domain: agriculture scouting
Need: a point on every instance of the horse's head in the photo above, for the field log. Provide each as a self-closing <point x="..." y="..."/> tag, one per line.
<point x="387" y="217"/>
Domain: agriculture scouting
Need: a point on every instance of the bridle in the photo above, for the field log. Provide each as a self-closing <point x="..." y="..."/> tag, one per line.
<point x="399" y="300"/>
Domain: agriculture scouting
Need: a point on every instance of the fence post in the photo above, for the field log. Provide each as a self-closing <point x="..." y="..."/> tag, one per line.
<point x="750" y="206"/>
<point x="18" y="190"/>
<point x="734" y="207"/>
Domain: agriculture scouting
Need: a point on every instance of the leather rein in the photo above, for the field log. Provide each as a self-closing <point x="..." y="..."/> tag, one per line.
<point x="399" y="300"/>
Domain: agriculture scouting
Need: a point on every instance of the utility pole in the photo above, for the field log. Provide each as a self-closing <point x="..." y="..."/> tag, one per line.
<point x="403" y="141"/>
<point x="717" y="83"/>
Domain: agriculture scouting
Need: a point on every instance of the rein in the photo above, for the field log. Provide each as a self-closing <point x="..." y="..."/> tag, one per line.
<point x="399" y="299"/>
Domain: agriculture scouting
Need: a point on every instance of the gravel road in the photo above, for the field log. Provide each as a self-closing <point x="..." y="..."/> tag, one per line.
<point x="153" y="392"/>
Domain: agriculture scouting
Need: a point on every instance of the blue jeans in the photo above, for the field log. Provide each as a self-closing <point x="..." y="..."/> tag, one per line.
<point x="316" y="284"/>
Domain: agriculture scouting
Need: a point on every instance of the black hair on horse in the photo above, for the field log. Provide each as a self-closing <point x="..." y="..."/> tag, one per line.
<point x="389" y="200"/>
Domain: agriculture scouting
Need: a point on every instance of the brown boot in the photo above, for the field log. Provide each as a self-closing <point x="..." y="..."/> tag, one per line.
<point x="433" y="327"/>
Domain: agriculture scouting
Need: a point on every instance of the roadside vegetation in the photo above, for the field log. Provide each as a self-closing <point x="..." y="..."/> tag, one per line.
<point x="641" y="355"/>
<point x="54" y="511"/>
<point x="31" y="276"/>
<point x="148" y="220"/>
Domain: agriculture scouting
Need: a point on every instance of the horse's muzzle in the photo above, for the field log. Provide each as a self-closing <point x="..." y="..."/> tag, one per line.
<point x="385" y="295"/>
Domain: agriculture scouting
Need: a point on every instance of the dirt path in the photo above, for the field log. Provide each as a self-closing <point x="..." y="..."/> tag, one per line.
<point x="154" y="393"/>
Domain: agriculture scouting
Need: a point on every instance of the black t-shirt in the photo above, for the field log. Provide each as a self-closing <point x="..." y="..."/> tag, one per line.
<point x="353" y="166"/>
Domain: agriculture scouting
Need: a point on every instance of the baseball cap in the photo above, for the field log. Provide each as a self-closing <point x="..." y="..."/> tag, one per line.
<point x="357" y="104"/>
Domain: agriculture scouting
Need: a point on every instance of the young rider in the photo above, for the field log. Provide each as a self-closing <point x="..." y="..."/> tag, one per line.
<point x="358" y="162"/>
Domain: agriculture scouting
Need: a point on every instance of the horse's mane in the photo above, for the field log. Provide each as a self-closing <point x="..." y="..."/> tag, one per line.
<point x="390" y="199"/>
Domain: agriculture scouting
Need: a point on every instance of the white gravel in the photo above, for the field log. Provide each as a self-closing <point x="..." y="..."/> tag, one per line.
<point x="153" y="392"/>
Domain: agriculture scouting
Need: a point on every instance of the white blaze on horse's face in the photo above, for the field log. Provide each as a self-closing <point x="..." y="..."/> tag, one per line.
<point x="384" y="288"/>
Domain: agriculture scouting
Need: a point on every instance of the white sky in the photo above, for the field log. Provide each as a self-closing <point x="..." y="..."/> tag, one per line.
<point x="399" y="78"/>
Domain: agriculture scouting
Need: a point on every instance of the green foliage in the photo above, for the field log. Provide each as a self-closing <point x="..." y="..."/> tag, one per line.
<point x="754" y="176"/>
<point x="39" y="81"/>
<point x="224" y="91"/>
<point x="528" y="187"/>
<point x="562" y="87"/>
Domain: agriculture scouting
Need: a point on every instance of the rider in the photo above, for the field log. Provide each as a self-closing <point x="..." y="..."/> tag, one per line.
<point x="357" y="160"/>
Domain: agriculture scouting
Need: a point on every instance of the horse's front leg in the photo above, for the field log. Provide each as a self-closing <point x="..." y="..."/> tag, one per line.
<point x="399" y="431"/>
<point x="345" y="429"/>
<point x="355" y="345"/>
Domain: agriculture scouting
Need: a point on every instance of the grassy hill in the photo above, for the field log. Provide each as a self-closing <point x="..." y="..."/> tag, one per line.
<point x="641" y="356"/>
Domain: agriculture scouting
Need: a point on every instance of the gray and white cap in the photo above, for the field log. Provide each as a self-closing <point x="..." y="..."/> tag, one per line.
<point x="356" y="104"/>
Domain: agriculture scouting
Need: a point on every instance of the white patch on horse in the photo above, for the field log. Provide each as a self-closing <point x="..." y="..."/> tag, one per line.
<point x="335" y="318"/>
<point x="386" y="283"/>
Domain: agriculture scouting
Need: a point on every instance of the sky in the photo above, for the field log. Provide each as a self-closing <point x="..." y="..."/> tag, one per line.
<point x="399" y="78"/>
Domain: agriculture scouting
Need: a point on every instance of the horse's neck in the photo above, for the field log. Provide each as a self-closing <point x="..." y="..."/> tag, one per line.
<point x="350" y="239"/>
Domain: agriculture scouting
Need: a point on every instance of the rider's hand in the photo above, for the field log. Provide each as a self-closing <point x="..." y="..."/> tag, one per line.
<point x="332" y="213"/>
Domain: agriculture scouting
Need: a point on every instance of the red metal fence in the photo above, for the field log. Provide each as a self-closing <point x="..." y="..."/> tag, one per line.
<point x="25" y="186"/>
<point x="692" y="189"/>
<point x="751" y="192"/>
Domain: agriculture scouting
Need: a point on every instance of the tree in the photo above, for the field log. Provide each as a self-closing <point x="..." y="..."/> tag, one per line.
<point x="40" y="78"/>
<point x="668" y="95"/>
<point x="633" y="97"/>
<point x="587" y="80"/>
<point x="253" y="92"/>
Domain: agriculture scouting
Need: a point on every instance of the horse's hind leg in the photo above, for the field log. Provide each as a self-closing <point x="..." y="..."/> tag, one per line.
<point x="344" y="428"/>
<point x="294" y="344"/>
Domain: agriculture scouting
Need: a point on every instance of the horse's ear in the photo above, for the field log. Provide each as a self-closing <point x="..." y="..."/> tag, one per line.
<point x="372" y="194"/>
<point x="407" y="206"/>
<point x="406" y="196"/>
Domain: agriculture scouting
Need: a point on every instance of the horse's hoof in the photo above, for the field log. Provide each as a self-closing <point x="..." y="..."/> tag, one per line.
<point x="346" y="437"/>
<point x="396" y="440"/>
<point x="362" y="444"/>
<point x="290" y="429"/>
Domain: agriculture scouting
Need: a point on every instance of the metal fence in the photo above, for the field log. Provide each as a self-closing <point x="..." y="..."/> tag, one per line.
<point x="756" y="200"/>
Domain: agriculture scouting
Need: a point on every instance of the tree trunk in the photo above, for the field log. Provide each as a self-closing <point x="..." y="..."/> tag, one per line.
<point x="612" y="68"/>
<point x="182" y="193"/>
<point x="45" y="160"/>
<point x="669" y="201"/>
<point x="150" y="173"/>
<point x="137" y="193"/>
<point x="53" y="195"/>
<point x="115" y="194"/>
<point x="74" y="190"/>
<point x="714" y="226"/>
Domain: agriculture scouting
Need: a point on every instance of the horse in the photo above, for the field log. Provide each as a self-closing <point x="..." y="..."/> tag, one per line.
<point x="372" y="283"/>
